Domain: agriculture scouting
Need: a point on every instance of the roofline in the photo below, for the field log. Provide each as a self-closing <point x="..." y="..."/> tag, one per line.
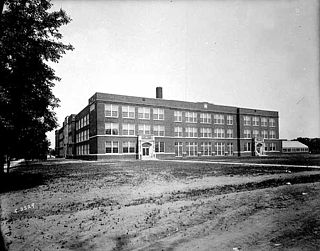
<point x="180" y="101"/>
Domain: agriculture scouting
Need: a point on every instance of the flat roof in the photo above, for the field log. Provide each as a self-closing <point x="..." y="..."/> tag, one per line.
<point x="176" y="104"/>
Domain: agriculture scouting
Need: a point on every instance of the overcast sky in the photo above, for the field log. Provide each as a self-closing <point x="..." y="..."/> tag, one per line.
<point x="254" y="54"/>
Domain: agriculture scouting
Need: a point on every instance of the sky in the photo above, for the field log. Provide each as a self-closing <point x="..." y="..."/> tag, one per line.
<point x="252" y="54"/>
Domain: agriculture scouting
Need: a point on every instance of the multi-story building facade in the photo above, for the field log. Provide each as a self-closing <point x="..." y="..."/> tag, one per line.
<point x="118" y="126"/>
<point x="65" y="138"/>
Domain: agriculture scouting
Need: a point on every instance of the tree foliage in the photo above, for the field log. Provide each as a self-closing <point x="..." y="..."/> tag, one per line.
<point x="313" y="144"/>
<point x="29" y="40"/>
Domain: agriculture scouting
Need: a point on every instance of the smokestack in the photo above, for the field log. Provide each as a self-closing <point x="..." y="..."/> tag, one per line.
<point x="159" y="92"/>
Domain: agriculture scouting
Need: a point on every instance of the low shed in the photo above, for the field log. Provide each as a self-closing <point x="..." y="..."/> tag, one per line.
<point x="294" y="147"/>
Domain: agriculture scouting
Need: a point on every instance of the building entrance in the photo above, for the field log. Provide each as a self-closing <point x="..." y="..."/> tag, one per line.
<point x="259" y="147"/>
<point x="146" y="147"/>
<point x="145" y="151"/>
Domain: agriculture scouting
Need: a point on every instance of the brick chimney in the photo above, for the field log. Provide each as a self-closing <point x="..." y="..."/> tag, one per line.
<point x="159" y="92"/>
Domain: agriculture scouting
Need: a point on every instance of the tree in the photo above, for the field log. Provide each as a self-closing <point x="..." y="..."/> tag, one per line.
<point x="313" y="144"/>
<point x="29" y="39"/>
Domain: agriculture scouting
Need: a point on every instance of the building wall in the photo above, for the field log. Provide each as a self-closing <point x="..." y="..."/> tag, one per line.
<point x="94" y="145"/>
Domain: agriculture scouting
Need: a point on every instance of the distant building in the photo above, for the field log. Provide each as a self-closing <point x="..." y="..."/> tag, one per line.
<point x="65" y="138"/>
<point x="294" y="147"/>
<point x="118" y="126"/>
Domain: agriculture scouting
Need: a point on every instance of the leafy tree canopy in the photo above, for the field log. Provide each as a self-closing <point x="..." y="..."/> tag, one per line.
<point x="313" y="144"/>
<point x="29" y="39"/>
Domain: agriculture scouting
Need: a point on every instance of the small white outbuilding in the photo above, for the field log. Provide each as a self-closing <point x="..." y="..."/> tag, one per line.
<point x="294" y="147"/>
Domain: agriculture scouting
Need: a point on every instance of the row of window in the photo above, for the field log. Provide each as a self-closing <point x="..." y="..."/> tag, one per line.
<point x="255" y="121"/>
<point x="294" y="150"/>
<point x="129" y="129"/>
<point x="191" y="132"/>
<point x="129" y="112"/>
<point x="112" y="110"/>
<point x="191" y="148"/>
<point x="83" y="150"/>
<point x="247" y="147"/>
<point x="82" y="136"/>
<point x="130" y="147"/>
<point x="203" y="149"/>
<point x="82" y="122"/>
<point x="255" y="134"/>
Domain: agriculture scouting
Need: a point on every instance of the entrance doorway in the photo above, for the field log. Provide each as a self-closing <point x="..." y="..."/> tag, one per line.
<point x="145" y="151"/>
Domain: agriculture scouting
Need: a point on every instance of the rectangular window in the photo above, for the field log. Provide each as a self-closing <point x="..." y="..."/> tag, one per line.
<point x="219" y="148"/>
<point x="218" y="119"/>
<point x="255" y="133"/>
<point x="229" y="133"/>
<point x="143" y="113"/>
<point x="191" y="132"/>
<point x="158" y="130"/>
<point x="272" y="134"/>
<point x="205" y="118"/>
<point x="178" y="131"/>
<point x="272" y="122"/>
<point x="264" y="122"/>
<point x="272" y="146"/>
<point x="83" y="150"/>
<point x="205" y="132"/>
<point x="128" y="112"/>
<point x="159" y="147"/>
<point x="158" y="114"/>
<point x="112" y="147"/>
<point x="255" y="121"/>
<point x="178" y="149"/>
<point x="128" y="129"/>
<point x="191" y="117"/>
<point x="111" y="110"/>
<point x="192" y="149"/>
<point x="84" y="121"/>
<point x="219" y="133"/>
<point x="229" y="120"/>
<point x="247" y="120"/>
<point x="230" y="148"/>
<point x="177" y="116"/>
<point x="144" y="129"/>
<point x="112" y="128"/>
<point x="129" y="147"/>
<point x="206" y="148"/>
<point x="247" y="147"/>
<point x="264" y="134"/>
<point x="247" y="134"/>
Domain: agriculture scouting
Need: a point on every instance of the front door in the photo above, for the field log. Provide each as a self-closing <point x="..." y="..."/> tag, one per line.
<point x="145" y="151"/>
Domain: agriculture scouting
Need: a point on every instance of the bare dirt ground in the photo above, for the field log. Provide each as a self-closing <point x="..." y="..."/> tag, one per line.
<point x="162" y="205"/>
